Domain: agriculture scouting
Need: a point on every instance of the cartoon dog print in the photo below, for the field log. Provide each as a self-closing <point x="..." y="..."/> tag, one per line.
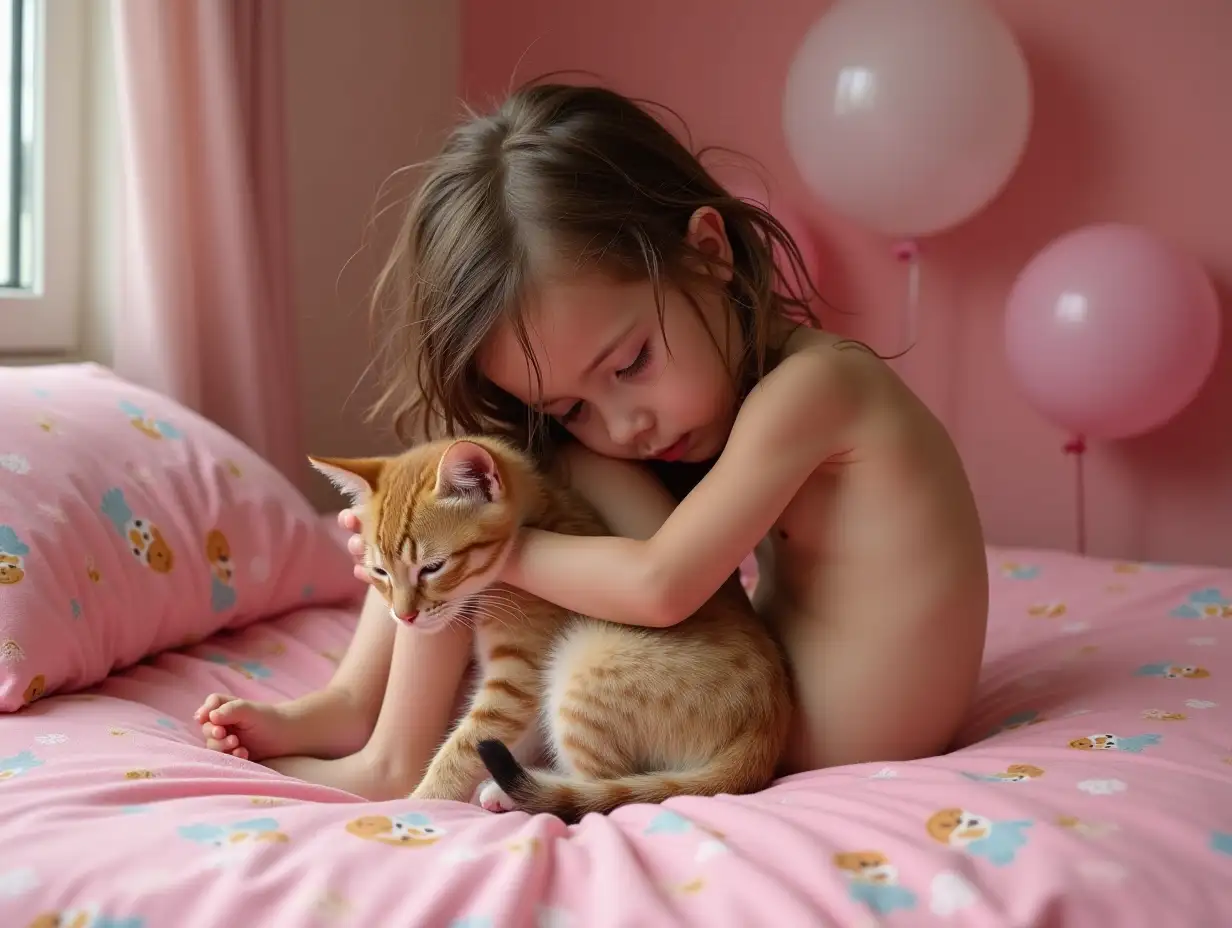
<point x="12" y="570"/>
<point x="12" y="550"/>
<point x="1082" y="652"/>
<point x="411" y="829"/>
<point x="66" y="919"/>
<point x="1047" y="610"/>
<point x="873" y="881"/>
<point x="1134" y="744"/>
<point x="222" y="568"/>
<point x="978" y="835"/>
<point x="83" y="918"/>
<point x="1086" y="829"/>
<point x="1208" y="603"/>
<point x="231" y="843"/>
<point x="1170" y="671"/>
<point x="147" y="425"/>
<point x="11" y="652"/>
<point x="251" y="670"/>
<point x="1162" y="715"/>
<point x="1015" y="773"/>
<point x="34" y="689"/>
<point x="144" y="539"/>
<point x="15" y="766"/>
<point x="867" y="866"/>
<point x="254" y="829"/>
<point x="218" y="553"/>
<point x="1015" y="571"/>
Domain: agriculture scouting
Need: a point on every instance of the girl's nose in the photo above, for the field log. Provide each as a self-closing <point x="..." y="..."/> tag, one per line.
<point x="628" y="428"/>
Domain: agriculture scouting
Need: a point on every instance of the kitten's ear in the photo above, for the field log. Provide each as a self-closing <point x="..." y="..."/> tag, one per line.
<point x="356" y="477"/>
<point x="468" y="471"/>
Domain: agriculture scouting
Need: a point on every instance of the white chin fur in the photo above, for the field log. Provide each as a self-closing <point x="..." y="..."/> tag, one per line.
<point x="438" y="618"/>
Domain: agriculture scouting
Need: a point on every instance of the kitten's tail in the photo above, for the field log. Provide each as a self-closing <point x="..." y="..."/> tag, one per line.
<point x="569" y="799"/>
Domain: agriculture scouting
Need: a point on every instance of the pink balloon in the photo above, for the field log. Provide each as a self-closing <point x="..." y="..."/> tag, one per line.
<point x="797" y="227"/>
<point x="907" y="115"/>
<point x="1111" y="331"/>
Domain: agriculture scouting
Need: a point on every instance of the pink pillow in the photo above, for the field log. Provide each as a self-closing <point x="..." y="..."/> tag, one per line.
<point x="129" y="525"/>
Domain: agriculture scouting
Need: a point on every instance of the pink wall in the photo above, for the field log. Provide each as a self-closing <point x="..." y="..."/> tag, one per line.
<point x="371" y="87"/>
<point x="1132" y="124"/>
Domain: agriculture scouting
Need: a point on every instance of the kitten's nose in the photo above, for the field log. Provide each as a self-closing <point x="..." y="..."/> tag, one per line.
<point x="409" y="616"/>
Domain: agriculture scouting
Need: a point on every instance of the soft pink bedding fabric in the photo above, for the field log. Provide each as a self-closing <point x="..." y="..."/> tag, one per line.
<point x="1097" y="787"/>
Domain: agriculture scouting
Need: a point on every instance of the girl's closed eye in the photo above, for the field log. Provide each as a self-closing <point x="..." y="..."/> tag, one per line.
<point x="571" y="413"/>
<point x="630" y="370"/>
<point x="638" y="364"/>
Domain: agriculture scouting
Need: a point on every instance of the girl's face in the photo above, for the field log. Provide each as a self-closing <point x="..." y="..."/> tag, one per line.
<point x="607" y="374"/>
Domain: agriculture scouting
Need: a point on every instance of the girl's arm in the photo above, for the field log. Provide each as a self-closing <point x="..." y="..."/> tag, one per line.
<point x="628" y="497"/>
<point x="796" y="418"/>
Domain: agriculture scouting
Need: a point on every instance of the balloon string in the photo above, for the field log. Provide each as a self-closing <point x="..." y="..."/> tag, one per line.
<point x="1078" y="448"/>
<point x="908" y="252"/>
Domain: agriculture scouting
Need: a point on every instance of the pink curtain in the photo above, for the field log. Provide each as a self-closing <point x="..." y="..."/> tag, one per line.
<point x="206" y="315"/>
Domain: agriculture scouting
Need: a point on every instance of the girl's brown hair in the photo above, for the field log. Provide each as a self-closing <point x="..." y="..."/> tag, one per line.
<point x="574" y="172"/>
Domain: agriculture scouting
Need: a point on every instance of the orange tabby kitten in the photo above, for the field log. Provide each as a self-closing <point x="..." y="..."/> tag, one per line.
<point x="631" y="714"/>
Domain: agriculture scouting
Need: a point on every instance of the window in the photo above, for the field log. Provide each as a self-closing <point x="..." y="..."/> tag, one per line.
<point x="17" y="118"/>
<point x="42" y="48"/>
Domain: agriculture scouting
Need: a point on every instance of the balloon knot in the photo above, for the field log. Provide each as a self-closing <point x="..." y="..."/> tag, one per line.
<point x="1075" y="446"/>
<point x="906" y="250"/>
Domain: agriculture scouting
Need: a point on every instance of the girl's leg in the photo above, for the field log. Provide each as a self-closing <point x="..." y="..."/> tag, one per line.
<point x="868" y="689"/>
<point x="330" y="722"/>
<point x="421" y="687"/>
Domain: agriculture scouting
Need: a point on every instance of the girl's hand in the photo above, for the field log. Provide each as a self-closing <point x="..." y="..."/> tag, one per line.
<point x="511" y="570"/>
<point x="355" y="544"/>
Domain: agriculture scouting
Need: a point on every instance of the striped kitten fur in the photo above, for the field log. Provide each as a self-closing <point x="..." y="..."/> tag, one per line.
<point x="629" y="714"/>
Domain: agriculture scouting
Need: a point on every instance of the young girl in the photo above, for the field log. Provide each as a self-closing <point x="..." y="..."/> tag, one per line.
<point x="570" y="276"/>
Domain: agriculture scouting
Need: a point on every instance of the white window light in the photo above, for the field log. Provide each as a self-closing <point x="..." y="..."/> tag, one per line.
<point x="42" y="86"/>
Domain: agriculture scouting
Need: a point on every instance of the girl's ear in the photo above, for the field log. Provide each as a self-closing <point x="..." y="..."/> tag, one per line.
<point x="708" y="235"/>
<point x="356" y="477"/>
<point x="468" y="471"/>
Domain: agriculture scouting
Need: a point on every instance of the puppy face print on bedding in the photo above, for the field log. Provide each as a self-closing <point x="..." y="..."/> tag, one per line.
<point x="129" y="524"/>
<point x="873" y="881"/>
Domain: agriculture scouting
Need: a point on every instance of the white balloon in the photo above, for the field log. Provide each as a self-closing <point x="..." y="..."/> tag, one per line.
<point x="908" y="116"/>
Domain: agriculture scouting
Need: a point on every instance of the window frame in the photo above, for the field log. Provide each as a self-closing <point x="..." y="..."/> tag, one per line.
<point x="47" y="318"/>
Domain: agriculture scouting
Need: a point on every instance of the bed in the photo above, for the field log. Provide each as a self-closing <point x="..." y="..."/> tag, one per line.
<point x="1092" y="783"/>
<point x="1095" y="784"/>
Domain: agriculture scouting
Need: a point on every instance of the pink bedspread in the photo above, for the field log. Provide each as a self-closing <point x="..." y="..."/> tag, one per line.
<point x="1097" y="787"/>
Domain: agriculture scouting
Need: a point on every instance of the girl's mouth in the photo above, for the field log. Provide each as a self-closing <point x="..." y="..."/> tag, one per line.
<point x="676" y="451"/>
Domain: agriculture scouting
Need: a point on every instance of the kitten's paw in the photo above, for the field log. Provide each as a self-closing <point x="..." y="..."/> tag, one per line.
<point x="429" y="792"/>
<point x="493" y="798"/>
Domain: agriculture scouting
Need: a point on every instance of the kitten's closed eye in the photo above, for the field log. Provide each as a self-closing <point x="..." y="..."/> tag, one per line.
<point x="379" y="571"/>
<point x="432" y="568"/>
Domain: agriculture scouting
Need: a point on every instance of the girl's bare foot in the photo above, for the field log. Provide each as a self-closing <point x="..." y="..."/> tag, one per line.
<point x="249" y="730"/>
<point x="325" y="723"/>
<point x="361" y="773"/>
